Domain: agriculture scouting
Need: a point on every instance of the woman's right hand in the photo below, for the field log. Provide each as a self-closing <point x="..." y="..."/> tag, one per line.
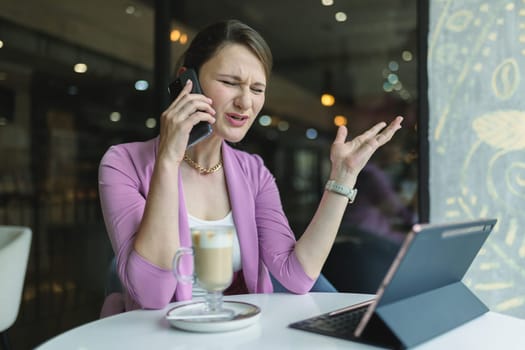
<point x="179" y="118"/>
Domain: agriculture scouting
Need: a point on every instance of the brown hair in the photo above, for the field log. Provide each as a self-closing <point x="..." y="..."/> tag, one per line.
<point x="216" y="36"/>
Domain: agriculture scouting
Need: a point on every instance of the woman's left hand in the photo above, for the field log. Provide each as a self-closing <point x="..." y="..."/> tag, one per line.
<point x="349" y="157"/>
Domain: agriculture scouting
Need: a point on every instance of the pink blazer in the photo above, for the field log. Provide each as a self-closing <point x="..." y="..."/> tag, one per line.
<point x="265" y="237"/>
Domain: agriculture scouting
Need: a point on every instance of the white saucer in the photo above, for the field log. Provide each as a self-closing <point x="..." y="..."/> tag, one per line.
<point x="244" y="315"/>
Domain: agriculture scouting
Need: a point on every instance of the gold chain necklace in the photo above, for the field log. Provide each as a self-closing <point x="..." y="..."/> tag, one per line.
<point x="201" y="169"/>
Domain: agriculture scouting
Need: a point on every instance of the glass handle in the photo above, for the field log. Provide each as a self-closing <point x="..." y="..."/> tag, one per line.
<point x="188" y="279"/>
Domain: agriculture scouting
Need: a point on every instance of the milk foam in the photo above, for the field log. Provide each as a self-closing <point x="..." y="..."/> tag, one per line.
<point x="212" y="237"/>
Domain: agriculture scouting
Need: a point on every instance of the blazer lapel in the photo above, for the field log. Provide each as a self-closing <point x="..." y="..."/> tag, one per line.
<point x="183" y="291"/>
<point x="243" y="210"/>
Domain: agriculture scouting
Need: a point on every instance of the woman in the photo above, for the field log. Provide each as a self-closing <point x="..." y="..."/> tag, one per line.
<point x="152" y="192"/>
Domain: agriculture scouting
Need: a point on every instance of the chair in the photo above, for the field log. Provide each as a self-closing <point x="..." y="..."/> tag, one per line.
<point x="321" y="285"/>
<point x="359" y="260"/>
<point x="15" y="243"/>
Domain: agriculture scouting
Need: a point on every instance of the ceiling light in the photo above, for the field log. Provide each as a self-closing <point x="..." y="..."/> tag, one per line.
<point x="327" y="99"/>
<point x="1" y="44"/>
<point x="405" y="95"/>
<point x="133" y="11"/>
<point x="393" y="66"/>
<point x="327" y="2"/>
<point x="141" y="85"/>
<point x="115" y="117"/>
<point x="80" y="68"/>
<point x="340" y="120"/>
<point x="283" y="125"/>
<point x="340" y="17"/>
<point x="265" y="120"/>
<point x="393" y="78"/>
<point x="183" y="39"/>
<point x="311" y="134"/>
<point x="151" y="123"/>
<point x="175" y="35"/>
<point x="407" y="56"/>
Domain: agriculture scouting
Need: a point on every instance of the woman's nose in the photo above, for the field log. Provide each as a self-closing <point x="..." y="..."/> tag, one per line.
<point x="243" y="100"/>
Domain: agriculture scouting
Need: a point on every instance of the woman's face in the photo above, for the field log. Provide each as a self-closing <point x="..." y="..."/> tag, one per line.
<point x="234" y="79"/>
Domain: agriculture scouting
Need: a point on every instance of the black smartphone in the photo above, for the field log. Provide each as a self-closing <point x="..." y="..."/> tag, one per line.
<point x="203" y="129"/>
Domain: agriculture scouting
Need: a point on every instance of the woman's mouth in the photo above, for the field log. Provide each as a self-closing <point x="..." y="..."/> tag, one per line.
<point x="236" y="119"/>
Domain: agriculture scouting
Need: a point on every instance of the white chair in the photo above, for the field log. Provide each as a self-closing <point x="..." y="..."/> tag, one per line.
<point x="15" y="243"/>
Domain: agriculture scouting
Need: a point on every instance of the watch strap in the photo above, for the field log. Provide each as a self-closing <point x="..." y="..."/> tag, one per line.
<point x="343" y="190"/>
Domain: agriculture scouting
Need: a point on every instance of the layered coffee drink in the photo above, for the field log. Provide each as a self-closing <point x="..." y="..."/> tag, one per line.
<point x="213" y="257"/>
<point x="212" y="253"/>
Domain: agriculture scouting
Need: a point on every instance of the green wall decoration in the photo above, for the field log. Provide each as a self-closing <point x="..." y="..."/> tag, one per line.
<point x="476" y="61"/>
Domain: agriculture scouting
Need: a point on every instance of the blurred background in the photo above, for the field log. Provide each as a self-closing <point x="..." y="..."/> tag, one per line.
<point x="79" y="76"/>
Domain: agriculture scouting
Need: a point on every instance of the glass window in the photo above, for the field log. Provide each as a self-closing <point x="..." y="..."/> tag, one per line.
<point x="82" y="79"/>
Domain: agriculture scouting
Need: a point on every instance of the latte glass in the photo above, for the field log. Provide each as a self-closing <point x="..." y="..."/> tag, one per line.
<point x="212" y="253"/>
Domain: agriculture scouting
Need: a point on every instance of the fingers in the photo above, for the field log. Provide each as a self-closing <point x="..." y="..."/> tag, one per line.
<point x="186" y="111"/>
<point x="342" y="132"/>
<point x="185" y="91"/>
<point x="194" y="100"/>
<point x="373" y="131"/>
<point x="381" y="132"/>
<point x="192" y="104"/>
<point x="178" y="119"/>
<point x="389" y="131"/>
<point x="187" y="105"/>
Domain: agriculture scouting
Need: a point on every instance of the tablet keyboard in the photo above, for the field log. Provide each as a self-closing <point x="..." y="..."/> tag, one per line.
<point x="341" y="325"/>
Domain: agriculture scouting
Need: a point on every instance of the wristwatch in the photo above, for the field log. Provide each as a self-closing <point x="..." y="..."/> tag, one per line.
<point x="343" y="190"/>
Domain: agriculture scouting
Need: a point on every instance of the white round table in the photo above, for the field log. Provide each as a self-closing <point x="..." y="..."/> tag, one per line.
<point x="148" y="329"/>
